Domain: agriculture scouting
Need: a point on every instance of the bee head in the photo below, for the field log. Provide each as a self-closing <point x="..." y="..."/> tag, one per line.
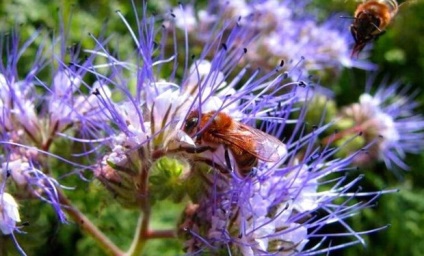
<point x="191" y="123"/>
<point x="365" y="27"/>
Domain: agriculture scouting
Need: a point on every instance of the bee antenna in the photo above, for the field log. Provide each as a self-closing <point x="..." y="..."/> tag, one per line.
<point x="347" y="17"/>
<point x="376" y="27"/>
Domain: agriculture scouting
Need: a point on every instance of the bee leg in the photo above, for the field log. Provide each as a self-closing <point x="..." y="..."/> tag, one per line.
<point x="354" y="33"/>
<point x="189" y="149"/>
<point x="228" y="160"/>
<point x="212" y="164"/>
<point x="194" y="150"/>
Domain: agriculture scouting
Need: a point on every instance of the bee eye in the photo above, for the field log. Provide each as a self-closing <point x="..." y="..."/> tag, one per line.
<point x="190" y="124"/>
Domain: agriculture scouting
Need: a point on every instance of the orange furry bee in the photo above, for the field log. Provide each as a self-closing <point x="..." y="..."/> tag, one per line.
<point x="245" y="143"/>
<point x="371" y="18"/>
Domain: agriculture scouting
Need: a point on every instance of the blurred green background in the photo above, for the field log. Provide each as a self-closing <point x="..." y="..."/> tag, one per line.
<point x="399" y="54"/>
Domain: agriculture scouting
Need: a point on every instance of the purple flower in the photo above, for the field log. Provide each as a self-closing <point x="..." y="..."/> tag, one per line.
<point x="252" y="177"/>
<point x="387" y="118"/>
<point x="277" y="207"/>
<point x="277" y="32"/>
<point x="34" y="115"/>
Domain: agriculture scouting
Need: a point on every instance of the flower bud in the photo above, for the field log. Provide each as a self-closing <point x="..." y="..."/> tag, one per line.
<point x="168" y="177"/>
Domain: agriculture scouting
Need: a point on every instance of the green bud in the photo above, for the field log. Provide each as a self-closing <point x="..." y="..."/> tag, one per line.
<point x="348" y="146"/>
<point x="344" y="123"/>
<point x="167" y="178"/>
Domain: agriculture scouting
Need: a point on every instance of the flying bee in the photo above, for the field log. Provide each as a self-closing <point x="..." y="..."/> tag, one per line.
<point x="246" y="144"/>
<point x="371" y="18"/>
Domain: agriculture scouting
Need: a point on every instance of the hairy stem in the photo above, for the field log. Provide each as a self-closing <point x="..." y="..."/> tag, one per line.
<point x="85" y="224"/>
<point x="142" y="230"/>
<point x="139" y="240"/>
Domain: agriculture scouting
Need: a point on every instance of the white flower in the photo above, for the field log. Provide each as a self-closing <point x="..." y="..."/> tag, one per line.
<point x="9" y="213"/>
<point x="16" y="169"/>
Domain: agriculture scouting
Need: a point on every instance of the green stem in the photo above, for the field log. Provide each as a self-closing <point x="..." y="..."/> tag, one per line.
<point x="142" y="231"/>
<point x="139" y="240"/>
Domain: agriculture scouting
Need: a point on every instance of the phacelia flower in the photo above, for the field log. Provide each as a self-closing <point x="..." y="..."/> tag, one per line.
<point x="277" y="32"/>
<point x="275" y="208"/>
<point x="389" y="119"/>
<point x="9" y="213"/>
<point x="30" y="179"/>
<point x="205" y="114"/>
<point x="34" y="116"/>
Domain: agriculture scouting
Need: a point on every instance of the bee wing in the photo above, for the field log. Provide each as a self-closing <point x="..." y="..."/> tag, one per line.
<point x="267" y="147"/>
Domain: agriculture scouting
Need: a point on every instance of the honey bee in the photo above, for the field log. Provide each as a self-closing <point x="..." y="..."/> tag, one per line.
<point x="246" y="144"/>
<point x="371" y="18"/>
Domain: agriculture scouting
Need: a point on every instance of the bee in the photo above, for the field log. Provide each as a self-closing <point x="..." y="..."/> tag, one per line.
<point x="370" y="19"/>
<point x="246" y="144"/>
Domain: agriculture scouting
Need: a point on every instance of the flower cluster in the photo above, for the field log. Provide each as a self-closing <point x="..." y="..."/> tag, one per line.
<point x="35" y="116"/>
<point x="388" y="121"/>
<point x="202" y="129"/>
<point x="276" y="31"/>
